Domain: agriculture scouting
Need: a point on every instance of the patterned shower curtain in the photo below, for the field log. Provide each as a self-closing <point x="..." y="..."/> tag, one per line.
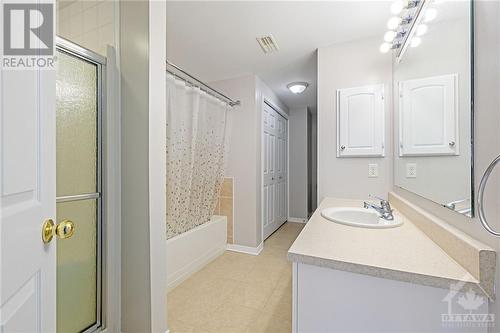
<point x="197" y="144"/>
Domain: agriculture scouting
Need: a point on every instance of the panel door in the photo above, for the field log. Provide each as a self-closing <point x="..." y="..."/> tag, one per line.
<point x="27" y="185"/>
<point x="360" y="121"/>
<point x="428" y="116"/>
<point x="274" y="170"/>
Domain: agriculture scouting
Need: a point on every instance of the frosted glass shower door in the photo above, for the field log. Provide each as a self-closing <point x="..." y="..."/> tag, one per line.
<point x="78" y="110"/>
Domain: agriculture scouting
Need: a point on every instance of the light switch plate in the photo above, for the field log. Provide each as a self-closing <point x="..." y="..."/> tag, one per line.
<point x="372" y="170"/>
<point x="411" y="170"/>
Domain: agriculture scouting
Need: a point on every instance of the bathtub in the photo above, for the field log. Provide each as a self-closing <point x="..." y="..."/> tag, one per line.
<point x="191" y="251"/>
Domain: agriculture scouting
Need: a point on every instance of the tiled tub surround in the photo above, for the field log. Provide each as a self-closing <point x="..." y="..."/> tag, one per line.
<point x="424" y="250"/>
<point x="88" y="23"/>
<point x="225" y="206"/>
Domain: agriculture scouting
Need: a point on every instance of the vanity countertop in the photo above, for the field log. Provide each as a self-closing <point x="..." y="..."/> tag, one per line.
<point x="403" y="253"/>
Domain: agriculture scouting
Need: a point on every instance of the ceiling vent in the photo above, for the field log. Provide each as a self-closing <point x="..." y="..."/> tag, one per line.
<point x="268" y="44"/>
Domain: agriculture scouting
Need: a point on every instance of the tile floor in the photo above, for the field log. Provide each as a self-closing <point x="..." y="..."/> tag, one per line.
<point x="238" y="293"/>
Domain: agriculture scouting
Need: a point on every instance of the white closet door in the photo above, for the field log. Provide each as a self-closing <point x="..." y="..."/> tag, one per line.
<point x="360" y="121"/>
<point x="275" y="147"/>
<point x="428" y="116"/>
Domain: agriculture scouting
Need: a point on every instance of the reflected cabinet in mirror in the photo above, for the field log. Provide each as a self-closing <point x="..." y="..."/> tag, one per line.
<point x="433" y="107"/>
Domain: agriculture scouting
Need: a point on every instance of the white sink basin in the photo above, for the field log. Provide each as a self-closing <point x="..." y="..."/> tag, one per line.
<point x="359" y="217"/>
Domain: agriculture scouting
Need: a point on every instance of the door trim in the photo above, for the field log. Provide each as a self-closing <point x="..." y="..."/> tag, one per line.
<point x="276" y="108"/>
<point x="99" y="61"/>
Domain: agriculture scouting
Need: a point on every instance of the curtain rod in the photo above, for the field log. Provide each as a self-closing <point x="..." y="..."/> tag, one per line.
<point x="219" y="95"/>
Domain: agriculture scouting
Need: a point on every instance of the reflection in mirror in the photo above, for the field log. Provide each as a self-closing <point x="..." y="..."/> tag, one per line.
<point x="433" y="113"/>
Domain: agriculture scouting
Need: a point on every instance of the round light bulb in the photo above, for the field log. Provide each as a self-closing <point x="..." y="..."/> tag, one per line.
<point x="393" y="22"/>
<point x="421" y="30"/>
<point x="397" y="7"/>
<point x="430" y="14"/>
<point x="385" y="47"/>
<point x="389" y="36"/>
<point x="415" y="41"/>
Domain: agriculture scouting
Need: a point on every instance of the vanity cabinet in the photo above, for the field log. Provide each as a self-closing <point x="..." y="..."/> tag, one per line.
<point x="329" y="300"/>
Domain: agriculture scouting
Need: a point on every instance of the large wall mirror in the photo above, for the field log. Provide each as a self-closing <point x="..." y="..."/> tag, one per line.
<point x="433" y="91"/>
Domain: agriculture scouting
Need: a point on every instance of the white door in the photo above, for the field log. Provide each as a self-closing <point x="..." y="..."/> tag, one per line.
<point x="27" y="185"/>
<point x="275" y="170"/>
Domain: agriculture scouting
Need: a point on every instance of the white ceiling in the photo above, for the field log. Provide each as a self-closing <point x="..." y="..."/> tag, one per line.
<point x="215" y="40"/>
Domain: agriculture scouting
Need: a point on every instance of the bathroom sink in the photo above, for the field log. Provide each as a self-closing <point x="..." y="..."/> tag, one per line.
<point x="359" y="217"/>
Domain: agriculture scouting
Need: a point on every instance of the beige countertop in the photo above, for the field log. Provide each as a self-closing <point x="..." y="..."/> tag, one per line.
<point x="403" y="253"/>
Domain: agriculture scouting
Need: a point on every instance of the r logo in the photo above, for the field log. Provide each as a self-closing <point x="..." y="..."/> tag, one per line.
<point x="28" y="29"/>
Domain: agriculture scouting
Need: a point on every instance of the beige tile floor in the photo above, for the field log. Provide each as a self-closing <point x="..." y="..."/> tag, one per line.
<point x="238" y="292"/>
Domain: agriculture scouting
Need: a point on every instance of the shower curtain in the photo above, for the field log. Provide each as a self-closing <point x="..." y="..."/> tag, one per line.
<point x="197" y="144"/>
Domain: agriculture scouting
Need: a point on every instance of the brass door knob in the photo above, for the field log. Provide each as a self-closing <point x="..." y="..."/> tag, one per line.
<point x="47" y="231"/>
<point x="63" y="230"/>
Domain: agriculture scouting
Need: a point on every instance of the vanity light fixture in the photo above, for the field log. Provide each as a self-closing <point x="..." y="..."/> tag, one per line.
<point x="430" y="14"/>
<point x="398" y="6"/>
<point x="421" y="30"/>
<point x="393" y="22"/>
<point x="390" y="35"/>
<point x="297" y="87"/>
<point x="415" y="41"/>
<point x="406" y="27"/>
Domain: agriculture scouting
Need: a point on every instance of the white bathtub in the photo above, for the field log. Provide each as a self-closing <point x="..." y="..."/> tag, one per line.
<point x="189" y="252"/>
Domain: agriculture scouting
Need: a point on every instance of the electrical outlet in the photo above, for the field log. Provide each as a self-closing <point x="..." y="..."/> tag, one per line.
<point x="372" y="170"/>
<point x="411" y="170"/>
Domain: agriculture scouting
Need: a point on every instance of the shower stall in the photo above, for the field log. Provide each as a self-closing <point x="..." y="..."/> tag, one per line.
<point x="80" y="101"/>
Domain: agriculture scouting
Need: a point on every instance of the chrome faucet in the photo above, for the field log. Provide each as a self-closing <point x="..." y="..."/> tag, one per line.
<point x="384" y="210"/>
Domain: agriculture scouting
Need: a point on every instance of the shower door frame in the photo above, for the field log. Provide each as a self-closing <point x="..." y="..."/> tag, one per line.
<point x="99" y="61"/>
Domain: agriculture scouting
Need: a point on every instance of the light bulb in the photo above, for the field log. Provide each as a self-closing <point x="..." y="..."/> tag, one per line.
<point x="415" y="41"/>
<point x="385" y="47"/>
<point x="390" y="35"/>
<point x="430" y="14"/>
<point x="397" y="6"/>
<point x="393" y="22"/>
<point x="421" y="30"/>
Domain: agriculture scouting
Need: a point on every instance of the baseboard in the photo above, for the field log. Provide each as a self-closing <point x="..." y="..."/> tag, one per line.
<point x="246" y="249"/>
<point x="183" y="274"/>
<point x="297" y="220"/>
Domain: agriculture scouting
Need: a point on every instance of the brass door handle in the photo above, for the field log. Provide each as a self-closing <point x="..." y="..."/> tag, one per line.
<point x="63" y="230"/>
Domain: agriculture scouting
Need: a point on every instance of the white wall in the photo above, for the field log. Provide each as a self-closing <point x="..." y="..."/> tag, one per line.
<point x="244" y="160"/>
<point x="347" y="65"/>
<point x="298" y="170"/>
<point x="487" y="127"/>
<point x="242" y="157"/>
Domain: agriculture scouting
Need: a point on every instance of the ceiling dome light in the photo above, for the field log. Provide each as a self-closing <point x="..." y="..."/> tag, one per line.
<point x="393" y="22"/>
<point x="390" y="35"/>
<point x="398" y="6"/>
<point x="421" y="30"/>
<point x="415" y="41"/>
<point x="430" y="14"/>
<point x="297" y="87"/>
<point x="385" y="47"/>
